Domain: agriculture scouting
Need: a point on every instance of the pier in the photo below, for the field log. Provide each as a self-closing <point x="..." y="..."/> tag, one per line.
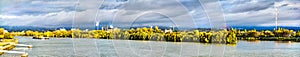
<point x="9" y="44"/>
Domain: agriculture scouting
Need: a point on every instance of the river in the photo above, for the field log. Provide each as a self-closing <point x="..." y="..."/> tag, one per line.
<point x="83" y="47"/>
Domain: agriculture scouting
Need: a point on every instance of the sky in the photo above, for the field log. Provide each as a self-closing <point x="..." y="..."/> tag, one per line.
<point x="127" y="13"/>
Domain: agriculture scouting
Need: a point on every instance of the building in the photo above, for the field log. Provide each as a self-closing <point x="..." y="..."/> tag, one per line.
<point x="5" y="31"/>
<point x="170" y="30"/>
<point x="108" y="27"/>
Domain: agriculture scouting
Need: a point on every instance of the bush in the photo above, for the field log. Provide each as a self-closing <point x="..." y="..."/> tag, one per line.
<point x="1" y="36"/>
<point x="8" y="36"/>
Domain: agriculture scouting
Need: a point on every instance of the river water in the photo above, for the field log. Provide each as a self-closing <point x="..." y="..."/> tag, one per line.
<point x="83" y="47"/>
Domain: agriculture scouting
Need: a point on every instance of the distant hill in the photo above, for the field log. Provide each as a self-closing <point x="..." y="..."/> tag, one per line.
<point x="33" y="28"/>
<point x="264" y="27"/>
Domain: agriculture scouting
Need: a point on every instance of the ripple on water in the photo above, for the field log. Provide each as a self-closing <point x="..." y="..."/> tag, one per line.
<point x="57" y="47"/>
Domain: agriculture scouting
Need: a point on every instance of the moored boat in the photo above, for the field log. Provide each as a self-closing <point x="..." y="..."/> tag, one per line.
<point x="39" y="37"/>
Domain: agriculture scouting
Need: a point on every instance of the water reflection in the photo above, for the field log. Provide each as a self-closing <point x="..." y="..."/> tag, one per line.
<point x="254" y="41"/>
<point x="283" y="42"/>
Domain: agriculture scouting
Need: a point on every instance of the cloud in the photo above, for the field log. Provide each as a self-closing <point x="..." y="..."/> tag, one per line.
<point x="37" y="7"/>
<point x="52" y="13"/>
<point x="261" y="15"/>
<point x="239" y="6"/>
<point x="126" y="15"/>
<point x="54" y="19"/>
<point x="186" y="13"/>
<point x="7" y="17"/>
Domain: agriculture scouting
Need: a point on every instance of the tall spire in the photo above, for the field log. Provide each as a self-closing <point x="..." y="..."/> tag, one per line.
<point x="97" y="25"/>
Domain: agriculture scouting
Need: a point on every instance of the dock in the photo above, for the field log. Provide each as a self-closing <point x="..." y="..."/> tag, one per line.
<point x="8" y="44"/>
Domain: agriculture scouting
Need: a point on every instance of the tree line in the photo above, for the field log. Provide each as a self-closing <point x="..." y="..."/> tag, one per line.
<point x="155" y="34"/>
<point x="5" y="35"/>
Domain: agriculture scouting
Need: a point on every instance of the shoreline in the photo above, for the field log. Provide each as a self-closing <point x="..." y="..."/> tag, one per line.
<point x="293" y="39"/>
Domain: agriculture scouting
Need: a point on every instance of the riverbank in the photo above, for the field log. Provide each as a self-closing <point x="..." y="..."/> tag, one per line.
<point x="294" y="39"/>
